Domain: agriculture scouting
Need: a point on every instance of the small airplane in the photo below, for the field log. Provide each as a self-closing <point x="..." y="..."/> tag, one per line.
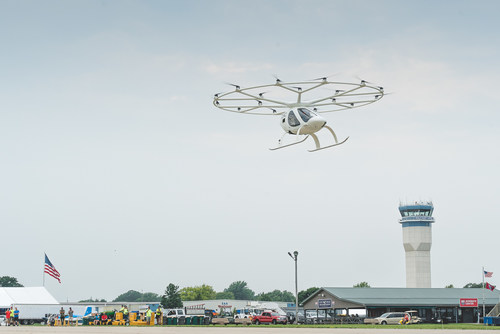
<point x="300" y="115"/>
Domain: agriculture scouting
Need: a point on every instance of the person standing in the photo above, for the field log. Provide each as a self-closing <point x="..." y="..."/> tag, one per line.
<point x="70" y="316"/>
<point x="148" y="315"/>
<point x="7" y="315"/>
<point x="16" y="317"/>
<point x="125" y="313"/>
<point x="61" y="316"/>
<point x="158" y="315"/>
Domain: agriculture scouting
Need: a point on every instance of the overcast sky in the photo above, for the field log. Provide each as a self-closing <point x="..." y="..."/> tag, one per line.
<point x="115" y="162"/>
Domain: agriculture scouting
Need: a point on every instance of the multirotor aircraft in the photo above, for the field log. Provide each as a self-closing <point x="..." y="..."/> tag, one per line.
<point x="300" y="104"/>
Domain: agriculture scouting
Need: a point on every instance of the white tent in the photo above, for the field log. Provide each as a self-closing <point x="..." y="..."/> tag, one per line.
<point x="31" y="295"/>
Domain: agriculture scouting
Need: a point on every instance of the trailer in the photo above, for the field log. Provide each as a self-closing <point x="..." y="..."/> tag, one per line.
<point x="30" y="314"/>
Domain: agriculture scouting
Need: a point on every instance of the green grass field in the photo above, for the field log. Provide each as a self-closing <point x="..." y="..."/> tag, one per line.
<point x="420" y="326"/>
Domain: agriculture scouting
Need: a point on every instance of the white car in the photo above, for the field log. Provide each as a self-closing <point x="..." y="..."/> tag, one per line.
<point x="390" y="318"/>
<point x="3" y="320"/>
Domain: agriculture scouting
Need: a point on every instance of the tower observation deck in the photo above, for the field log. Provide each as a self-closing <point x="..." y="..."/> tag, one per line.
<point x="416" y="220"/>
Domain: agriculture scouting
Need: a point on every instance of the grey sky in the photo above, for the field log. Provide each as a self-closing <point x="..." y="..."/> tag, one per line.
<point x="118" y="166"/>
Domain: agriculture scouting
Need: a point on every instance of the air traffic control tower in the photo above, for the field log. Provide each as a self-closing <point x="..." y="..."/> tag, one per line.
<point x="417" y="240"/>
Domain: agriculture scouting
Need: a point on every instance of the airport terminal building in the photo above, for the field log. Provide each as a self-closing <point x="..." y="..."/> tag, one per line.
<point x="446" y="304"/>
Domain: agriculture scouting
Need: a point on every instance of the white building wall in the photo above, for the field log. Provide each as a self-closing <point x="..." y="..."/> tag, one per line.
<point x="417" y="242"/>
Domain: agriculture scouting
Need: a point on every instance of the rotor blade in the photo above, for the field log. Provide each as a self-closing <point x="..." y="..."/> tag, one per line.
<point x="325" y="78"/>
<point x="231" y="84"/>
<point x="363" y="82"/>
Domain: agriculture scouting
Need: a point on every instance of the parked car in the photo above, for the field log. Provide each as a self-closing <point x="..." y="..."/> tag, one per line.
<point x="292" y="319"/>
<point x="317" y="317"/>
<point x="390" y="318"/>
<point x="269" y="317"/>
<point x="3" y="320"/>
<point x="177" y="313"/>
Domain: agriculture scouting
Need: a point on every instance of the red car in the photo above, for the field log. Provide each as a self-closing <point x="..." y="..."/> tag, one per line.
<point x="269" y="317"/>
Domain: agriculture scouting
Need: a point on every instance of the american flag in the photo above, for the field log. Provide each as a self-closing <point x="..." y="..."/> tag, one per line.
<point x="488" y="273"/>
<point x="51" y="270"/>
<point x="489" y="286"/>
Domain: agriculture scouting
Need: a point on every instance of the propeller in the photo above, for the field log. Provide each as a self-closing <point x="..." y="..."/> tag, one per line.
<point x="259" y="102"/>
<point x="325" y="78"/>
<point x="278" y="81"/>
<point x="298" y="88"/>
<point x="217" y="94"/>
<point x="231" y="84"/>
<point x="364" y="82"/>
<point x="262" y="94"/>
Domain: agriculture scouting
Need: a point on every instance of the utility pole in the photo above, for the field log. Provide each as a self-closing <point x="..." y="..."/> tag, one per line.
<point x="294" y="257"/>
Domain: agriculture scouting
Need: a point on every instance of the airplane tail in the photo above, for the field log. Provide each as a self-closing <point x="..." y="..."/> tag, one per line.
<point x="88" y="310"/>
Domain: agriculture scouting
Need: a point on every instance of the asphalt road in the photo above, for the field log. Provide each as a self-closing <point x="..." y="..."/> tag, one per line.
<point x="226" y="330"/>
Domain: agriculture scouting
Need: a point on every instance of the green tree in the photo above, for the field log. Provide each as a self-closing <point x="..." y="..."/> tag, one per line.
<point x="150" y="297"/>
<point x="240" y="291"/>
<point x="172" y="297"/>
<point x="304" y="294"/>
<point x="450" y="286"/>
<point x="136" y="296"/>
<point x="129" y="296"/>
<point x="9" y="281"/>
<point x="224" y="295"/>
<point x="202" y="292"/>
<point x="473" y="285"/>
<point x="361" y="285"/>
<point x="90" y="300"/>
<point x="276" y="296"/>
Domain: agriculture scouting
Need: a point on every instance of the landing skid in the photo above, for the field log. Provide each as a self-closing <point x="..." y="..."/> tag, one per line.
<point x="287" y="145"/>
<point x="316" y="141"/>
<point x="322" y="148"/>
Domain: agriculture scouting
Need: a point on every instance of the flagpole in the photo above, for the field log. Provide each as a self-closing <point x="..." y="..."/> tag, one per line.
<point x="484" y="308"/>
<point x="43" y="270"/>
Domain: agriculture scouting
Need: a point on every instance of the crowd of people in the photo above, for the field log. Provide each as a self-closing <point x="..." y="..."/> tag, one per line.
<point x="51" y="321"/>
<point x="12" y="316"/>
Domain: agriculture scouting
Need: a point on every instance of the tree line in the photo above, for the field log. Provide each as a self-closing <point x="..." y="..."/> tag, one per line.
<point x="239" y="290"/>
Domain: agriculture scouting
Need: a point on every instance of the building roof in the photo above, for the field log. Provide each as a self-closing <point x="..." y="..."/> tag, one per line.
<point x="410" y="296"/>
<point x="25" y="295"/>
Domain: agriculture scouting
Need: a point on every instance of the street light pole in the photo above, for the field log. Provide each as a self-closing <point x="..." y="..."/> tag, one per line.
<point x="294" y="257"/>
